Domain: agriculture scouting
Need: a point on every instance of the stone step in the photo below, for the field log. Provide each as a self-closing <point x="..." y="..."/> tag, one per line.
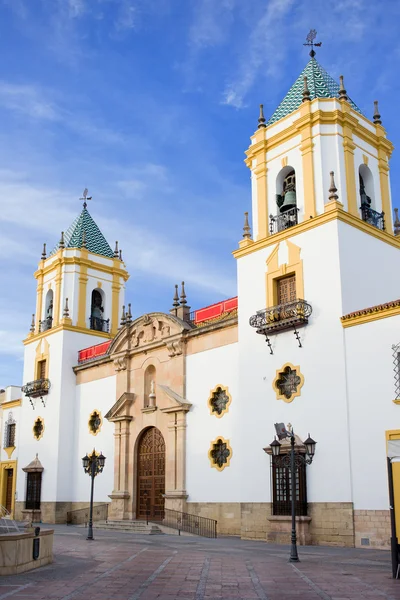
<point x="132" y="526"/>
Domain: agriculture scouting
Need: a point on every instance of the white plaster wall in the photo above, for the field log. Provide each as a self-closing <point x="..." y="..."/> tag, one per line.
<point x="12" y="392"/>
<point x="254" y="206"/>
<point x="367" y="267"/>
<point x="321" y="409"/>
<point x="329" y="156"/>
<point x="96" y="395"/>
<point x="204" y="371"/>
<point x="371" y="389"/>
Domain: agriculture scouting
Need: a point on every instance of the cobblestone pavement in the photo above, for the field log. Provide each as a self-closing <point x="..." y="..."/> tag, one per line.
<point x="124" y="566"/>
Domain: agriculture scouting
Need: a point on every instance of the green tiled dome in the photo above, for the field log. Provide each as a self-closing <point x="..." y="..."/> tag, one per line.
<point x="95" y="240"/>
<point x="320" y="84"/>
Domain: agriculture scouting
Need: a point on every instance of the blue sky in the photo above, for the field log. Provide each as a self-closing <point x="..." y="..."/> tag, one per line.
<point x="150" y="104"/>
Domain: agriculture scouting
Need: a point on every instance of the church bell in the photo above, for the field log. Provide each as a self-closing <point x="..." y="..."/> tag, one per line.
<point x="289" y="191"/>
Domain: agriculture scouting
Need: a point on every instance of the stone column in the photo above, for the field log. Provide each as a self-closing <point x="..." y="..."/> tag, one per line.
<point x="175" y="480"/>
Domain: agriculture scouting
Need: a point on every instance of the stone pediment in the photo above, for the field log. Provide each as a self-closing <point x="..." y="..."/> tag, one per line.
<point x="120" y="410"/>
<point x="177" y="403"/>
<point x="148" y="331"/>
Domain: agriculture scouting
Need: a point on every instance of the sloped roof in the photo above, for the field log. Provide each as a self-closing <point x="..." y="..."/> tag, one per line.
<point x="95" y="240"/>
<point x="320" y="84"/>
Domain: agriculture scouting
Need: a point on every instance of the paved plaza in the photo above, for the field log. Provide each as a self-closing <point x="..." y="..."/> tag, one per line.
<point x="124" y="566"/>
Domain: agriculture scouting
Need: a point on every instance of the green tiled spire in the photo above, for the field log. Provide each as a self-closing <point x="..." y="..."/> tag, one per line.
<point x="320" y="85"/>
<point x="93" y="240"/>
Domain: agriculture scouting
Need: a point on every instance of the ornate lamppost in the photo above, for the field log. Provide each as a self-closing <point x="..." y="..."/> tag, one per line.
<point x="93" y="464"/>
<point x="293" y="461"/>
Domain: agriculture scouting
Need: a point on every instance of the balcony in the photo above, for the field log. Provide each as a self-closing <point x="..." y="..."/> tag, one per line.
<point x="45" y="324"/>
<point x="281" y="317"/>
<point x="36" y="389"/>
<point x="283" y="221"/>
<point x="372" y="217"/>
<point x="98" y="324"/>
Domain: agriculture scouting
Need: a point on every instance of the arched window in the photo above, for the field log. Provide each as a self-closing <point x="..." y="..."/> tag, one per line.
<point x="97" y="321"/>
<point x="285" y="200"/>
<point x="366" y="189"/>
<point x="150" y="387"/>
<point x="47" y="322"/>
<point x="9" y="431"/>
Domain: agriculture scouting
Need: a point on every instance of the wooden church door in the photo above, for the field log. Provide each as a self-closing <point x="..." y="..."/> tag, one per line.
<point x="9" y="488"/>
<point x="151" y="474"/>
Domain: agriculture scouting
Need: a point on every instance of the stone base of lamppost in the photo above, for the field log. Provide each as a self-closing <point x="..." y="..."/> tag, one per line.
<point x="280" y="529"/>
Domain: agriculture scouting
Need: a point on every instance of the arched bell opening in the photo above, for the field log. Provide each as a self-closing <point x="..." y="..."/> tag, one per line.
<point x="47" y="322"/>
<point x="286" y="201"/>
<point x="150" y="462"/>
<point x="97" y="321"/>
<point x="366" y="189"/>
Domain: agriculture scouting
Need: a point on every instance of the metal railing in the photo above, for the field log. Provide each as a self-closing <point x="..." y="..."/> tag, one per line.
<point x="81" y="515"/>
<point x="283" y="221"/>
<point x="185" y="522"/>
<point x="45" y="324"/>
<point x="282" y="316"/>
<point x="372" y="217"/>
<point x="98" y="324"/>
<point x="37" y="388"/>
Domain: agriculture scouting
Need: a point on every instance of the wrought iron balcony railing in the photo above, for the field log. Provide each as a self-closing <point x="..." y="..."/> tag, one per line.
<point x="45" y="324"/>
<point x="283" y="221"/>
<point x="100" y="324"/>
<point x="372" y="217"/>
<point x="283" y="316"/>
<point x="36" y="389"/>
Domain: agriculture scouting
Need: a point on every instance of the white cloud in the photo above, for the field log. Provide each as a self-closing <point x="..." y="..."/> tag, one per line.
<point x="127" y="17"/>
<point x="76" y="8"/>
<point x="211" y="22"/>
<point x="27" y="99"/>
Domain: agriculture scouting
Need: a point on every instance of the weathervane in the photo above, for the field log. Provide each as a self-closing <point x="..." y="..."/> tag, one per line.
<point x="85" y="197"/>
<point x="310" y="41"/>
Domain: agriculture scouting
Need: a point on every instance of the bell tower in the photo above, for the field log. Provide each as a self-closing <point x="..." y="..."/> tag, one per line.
<point x="80" y="295"/>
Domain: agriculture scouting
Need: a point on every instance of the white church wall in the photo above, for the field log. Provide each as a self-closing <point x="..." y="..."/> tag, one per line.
<point x="367" y="266"/>
<point x="372" y="412"/>
<point x="204" y="371"/>
<point x="96" y="395"/>
<point x="321" y="361"/>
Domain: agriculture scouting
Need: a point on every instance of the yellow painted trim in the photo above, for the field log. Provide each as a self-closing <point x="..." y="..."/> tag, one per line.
<point x="295" y="394"/>
<point x="294" y="266"/>
<point x="82" y="260"/>
<point x="306" y="149"/>
<point x="382" y="313"/>
<point x="394" y="434"/>
<point x="212" y="463"/>
<point x="115" y="288"/>
<point x="39" y="356"/>
<point x="350" y="169"/>
<point x="82" y="297"/>
<point x="9" y="450"/>
<point x="397" y="401"/>
<point x="37" y="438"/>
<point x="225" y="389"/>
<point x="11" y="404"/>
<point x="9" y="464"/>
<point x="260" y="173"/>
<point x="338" y="214"/>
<point x="95" y="411"/>
<point x="383" y="168"/>
<point x="63" y="327"/>
<point x="57" y="295"/>
<point x="39" y="301"/>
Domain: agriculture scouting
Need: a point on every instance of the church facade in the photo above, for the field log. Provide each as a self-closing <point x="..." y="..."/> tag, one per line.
<point x="183" y="404"/>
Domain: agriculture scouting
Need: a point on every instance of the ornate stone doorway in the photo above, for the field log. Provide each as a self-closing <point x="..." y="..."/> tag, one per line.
<point x="150" y="474"/>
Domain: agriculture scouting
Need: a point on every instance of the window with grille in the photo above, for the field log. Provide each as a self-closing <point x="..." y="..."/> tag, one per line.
<point x="33" y="491"/>
<point x="396" y="368"/>
<point x="286" y="289"/>
<point x="42" y="369"/>
<point x="282" y="487"/>
<point x="9" y="431"/>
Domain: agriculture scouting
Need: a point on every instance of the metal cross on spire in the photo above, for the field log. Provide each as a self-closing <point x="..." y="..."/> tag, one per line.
<point x="310" y="42"/>
<point x="85" y="197"/>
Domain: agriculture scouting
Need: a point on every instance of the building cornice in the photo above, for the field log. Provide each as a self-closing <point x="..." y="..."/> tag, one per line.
<point x="373" y="313"/>
<point x="63" y="327"/>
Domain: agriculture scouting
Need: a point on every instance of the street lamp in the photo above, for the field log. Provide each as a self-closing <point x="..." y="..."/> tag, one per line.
<point x="93" y="464"/>
<point x="292" y="461"/>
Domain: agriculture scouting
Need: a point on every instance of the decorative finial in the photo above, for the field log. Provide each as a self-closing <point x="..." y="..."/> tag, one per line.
<point x="261" y="118"/>
<point x="129" y="315"/>
<point x="44" y="252"/>
<point x="120" y="255"/>
<point x="85" y="197"/>
<point x="66" y="309"/>
<point x="342" y="92"/>
<point x="183" y="294"/>
<point x="306" y="91"/>
<point x="84" y="239"/>
<point x="123" y="317"/>
<point x="246" y="227"/>
<point x="377" y="116"/>
<point x="61" y="243"/>
<point x="32" y="329"/>
<point x="332" y="190"/>
<point x="396" y="224"/>
<point x="175" y="303"/>
<point x="310" y="41"/>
